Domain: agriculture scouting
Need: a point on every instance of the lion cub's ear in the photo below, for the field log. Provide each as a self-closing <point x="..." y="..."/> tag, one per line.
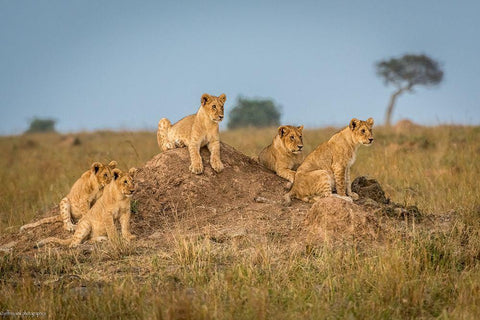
<point x="132" y="172"/>
<point x="300" y="128"/>
<point x="282" y="130"/>
<point x="95" y="167"/>
<point x="353" y="123"/>
<point x="116" y="173"/>
<point x="222" y="97"/>
<point x="113" y="164"/>
<point x="370" y="122"/>
<point x="205" y="98"/>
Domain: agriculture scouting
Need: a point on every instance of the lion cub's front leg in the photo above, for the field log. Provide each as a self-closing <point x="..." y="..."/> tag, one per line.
<point x="215" y="161"/>
<point x="125" y="225"/>
<point x="339" y="173"/>
<point x="196" y="164"/>
<point x="286" y="174"/>
<point x="350" y="193"/>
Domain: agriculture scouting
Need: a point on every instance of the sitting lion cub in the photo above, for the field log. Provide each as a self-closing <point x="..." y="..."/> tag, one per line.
<point x="196" y="131"/>
<point x="328" y="166"/>
<point x="284" y="154"/>
<point x="83" y="194"/>
<point x="100" y="219"/>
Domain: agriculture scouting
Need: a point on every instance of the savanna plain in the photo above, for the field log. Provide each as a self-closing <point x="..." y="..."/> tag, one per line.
<point x="433" y="273"/>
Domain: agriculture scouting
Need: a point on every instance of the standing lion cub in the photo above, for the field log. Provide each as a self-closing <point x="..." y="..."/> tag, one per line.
<point x="284" y="154"/>
<point x="328" y="166"/>
<point x="195" y="131"/>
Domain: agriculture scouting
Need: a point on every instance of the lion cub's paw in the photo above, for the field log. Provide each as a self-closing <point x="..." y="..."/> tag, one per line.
<point x="217" y="166"/>
<point x="130" y="237"/>
<point x="197" y="169"/>
<point x="353" y="195"/>
<point x="346" y="198"/>
<point x="70" y="227"/>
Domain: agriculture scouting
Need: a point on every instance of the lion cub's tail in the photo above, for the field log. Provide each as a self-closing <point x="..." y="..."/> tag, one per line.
<point x="163" y="126"/>
<point x="64" y="242"/>
<point x="51" y="219"/>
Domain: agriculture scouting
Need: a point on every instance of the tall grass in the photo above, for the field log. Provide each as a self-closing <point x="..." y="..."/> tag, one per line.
<point x="429" y="275"/>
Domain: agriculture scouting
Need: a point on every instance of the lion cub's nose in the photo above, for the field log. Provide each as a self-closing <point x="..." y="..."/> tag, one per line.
<point x="220" y="116"/>
<point x="370" y="139"/>
<point x="300" y="147"/>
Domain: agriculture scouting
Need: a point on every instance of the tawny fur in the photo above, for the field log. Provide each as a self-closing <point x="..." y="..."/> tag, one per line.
<point x="83" y="194"/>
<point x="99" y="222"/>
<point x="195" y="131"/>
<point x="328" y="166"/>
<point x="284" y="154"/>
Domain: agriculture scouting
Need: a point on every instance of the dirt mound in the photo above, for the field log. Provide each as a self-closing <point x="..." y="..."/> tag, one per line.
<point x="405" y="125"/>
<point x="243" y="199"/>
<point x="333" y="220"/>
<point x="242" y="202"/>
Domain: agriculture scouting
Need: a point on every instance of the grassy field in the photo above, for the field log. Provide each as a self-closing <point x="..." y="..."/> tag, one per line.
<point x="430" y="275"/>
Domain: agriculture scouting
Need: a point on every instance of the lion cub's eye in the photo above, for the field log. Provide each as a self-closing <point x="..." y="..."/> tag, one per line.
<point x="363" y="130"/>
<point x="292" y="137"/>
<point x="105" y="175"/>
<point x="214" y="107"/>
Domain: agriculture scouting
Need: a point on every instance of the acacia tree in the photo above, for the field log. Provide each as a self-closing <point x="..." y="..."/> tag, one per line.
<point x="406" y="72"/>
<point x="254" y="113"/>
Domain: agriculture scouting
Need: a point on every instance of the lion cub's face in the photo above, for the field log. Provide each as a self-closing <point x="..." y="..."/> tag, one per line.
<point x="362" y="131"/>
<point x="124" y="182"/>
<point x="292" y="138"/>
<point x="213" y="106"/>
<point x="102" y="173"/>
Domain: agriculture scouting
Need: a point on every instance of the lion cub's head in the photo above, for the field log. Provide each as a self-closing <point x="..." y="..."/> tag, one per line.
<point x="102" y="172"/>
<point x="291" y="138"/>
<point x="362" y="131"/>
<point x="124" y="181"/>
<point x="213" y="106"/>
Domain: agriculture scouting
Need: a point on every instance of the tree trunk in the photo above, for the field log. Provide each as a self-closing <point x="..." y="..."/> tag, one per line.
<point x="391" y="104"/>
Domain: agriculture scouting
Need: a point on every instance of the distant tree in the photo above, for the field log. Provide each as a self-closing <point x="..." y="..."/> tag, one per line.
<point x="41" y="125"/>
<point x="405" y="73"/>
<point x="255" y="113"/>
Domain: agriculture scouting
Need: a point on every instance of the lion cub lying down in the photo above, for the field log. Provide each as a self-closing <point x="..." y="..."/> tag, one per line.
<point x="284" y="154"/>
<point x="83" y="194"/>
<point x="328" y="166"/>
<point x="195" y="131"/>
<point x="100" y="219"/>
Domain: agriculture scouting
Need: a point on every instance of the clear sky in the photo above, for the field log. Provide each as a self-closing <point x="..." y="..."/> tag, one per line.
<point x="125" y="64"/>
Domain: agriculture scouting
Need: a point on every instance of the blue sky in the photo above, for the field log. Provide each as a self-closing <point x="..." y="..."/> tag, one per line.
<point x="126" y="64"/>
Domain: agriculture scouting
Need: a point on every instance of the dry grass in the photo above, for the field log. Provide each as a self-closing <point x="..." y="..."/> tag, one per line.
<point x="429" y="275"/>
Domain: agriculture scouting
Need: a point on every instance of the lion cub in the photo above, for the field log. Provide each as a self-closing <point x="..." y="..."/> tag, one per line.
<point x="284" y="154"/>
<point x="83" y="194"/>
<point x="196" y="131"/>
<point x="100" y="219"/>
<point x="328" y="166"/>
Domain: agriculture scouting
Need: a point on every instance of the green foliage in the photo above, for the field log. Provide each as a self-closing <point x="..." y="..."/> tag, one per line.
<point x="254" y="113"/>
<point x="41" y="125"/>
<point x="410" y="70"/>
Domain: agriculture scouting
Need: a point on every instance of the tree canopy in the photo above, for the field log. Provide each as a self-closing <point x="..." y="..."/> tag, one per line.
<point x="41" y="125"/>
<point x="254" y="113"/>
